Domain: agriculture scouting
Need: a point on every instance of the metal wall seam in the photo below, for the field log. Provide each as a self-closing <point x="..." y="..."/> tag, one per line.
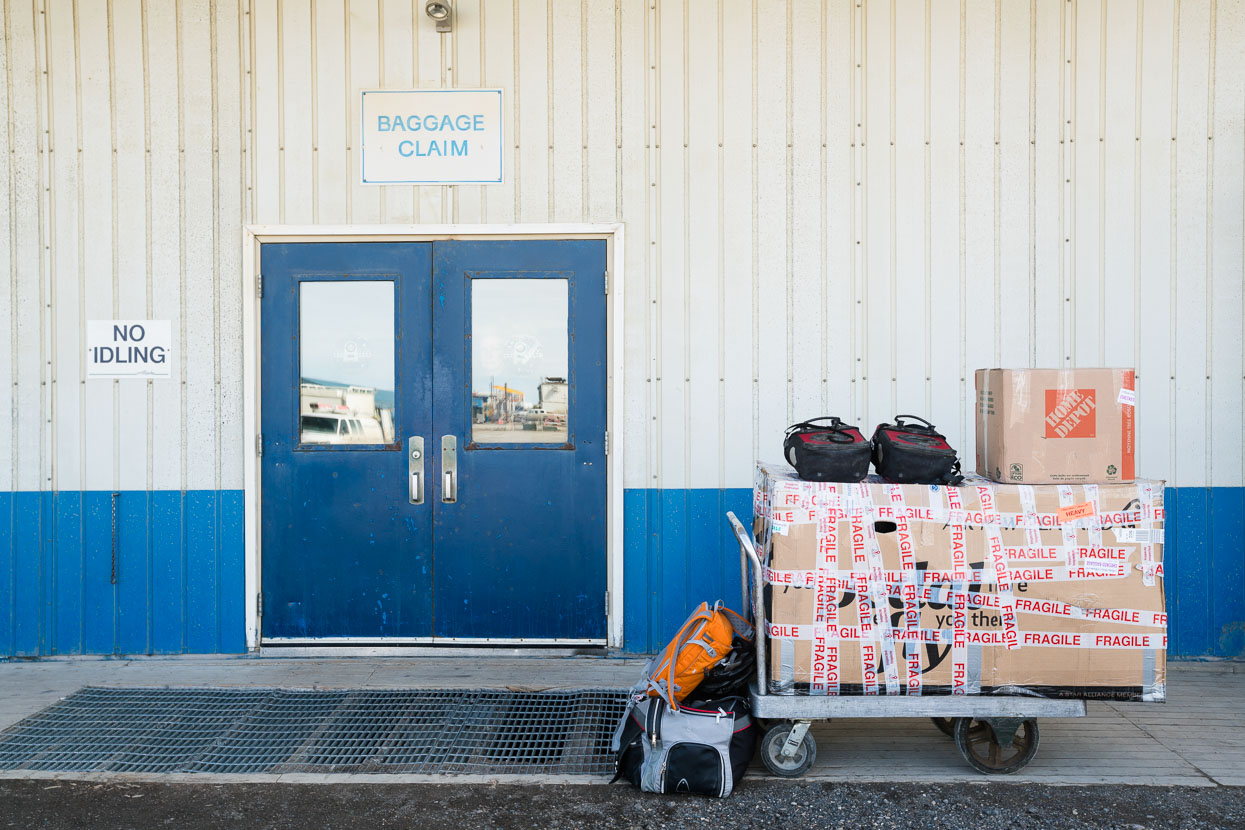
<point x="47" y="262"/>
<point x="1172" y="254"/>
<point x="585" y="197"/>
<point x="720" y="245"/>
<point x="962" y="171"/>
<point x="1139" y="103"/>
<point x="686" y="370"/>
<point x="823" y="218"/>
<point x="551" y="180"/>
<point x="10" y="378"/>
<point x="81" y="261"/>
<point x="789" y="208"/>
<point x="893" y="305"/>
<point x="1209" y="277"/>
<point x="652" y="216"/>
<point x="114" y="236"/>
<point x="755" y="229"/>
<point x="927" y="204"/>
<point x="1033" y="197"/>
<point x="855" y="275"/>
<point x="998" y="208"/>
<point x="347" y="105"/>
<point x="1102" y="187"/>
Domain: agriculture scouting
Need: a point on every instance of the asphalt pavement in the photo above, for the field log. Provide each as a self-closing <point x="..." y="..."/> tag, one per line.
<point x="763" y="804"/>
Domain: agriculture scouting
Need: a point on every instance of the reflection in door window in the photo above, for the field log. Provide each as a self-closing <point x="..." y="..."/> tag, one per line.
<point x="519" y="362"/>
<point x="345" y="362"/>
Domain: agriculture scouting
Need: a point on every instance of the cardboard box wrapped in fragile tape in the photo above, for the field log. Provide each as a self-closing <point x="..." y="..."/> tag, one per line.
<point x="1049" y="590"/>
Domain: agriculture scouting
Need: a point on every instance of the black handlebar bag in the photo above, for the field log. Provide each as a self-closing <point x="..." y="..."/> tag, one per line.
<point x="914" y="453"/>
<point x="834" y="451"/>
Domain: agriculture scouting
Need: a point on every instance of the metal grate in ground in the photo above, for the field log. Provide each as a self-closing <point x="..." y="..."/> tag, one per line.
<point x="283" y="730"/>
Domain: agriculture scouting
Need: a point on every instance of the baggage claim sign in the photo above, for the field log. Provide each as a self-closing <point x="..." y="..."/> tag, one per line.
<point x="432" y="136"/>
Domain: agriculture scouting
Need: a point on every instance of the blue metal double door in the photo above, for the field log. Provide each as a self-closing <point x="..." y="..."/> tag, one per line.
<point x="433" y="424"/>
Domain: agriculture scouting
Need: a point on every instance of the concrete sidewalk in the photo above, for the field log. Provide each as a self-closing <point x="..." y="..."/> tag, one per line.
<point x="1196" y="739"/>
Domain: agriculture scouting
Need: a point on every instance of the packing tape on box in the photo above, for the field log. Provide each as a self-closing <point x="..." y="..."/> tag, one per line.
<point x="877" y="588"/>
<point x="782" y="517"/>
<point x="1085" y="569"/>
<point x="1149" y="674"/>
<point x="1095" y="529"/>
<point x="981" y="636"/>
<point x="833" y="586"/>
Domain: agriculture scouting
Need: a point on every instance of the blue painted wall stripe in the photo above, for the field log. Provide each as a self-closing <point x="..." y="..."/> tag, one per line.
<point x="99" y="609"/>
<point x="674" y="537"/>
<point x="1227" y="522"/>
<point x="7" y="573"/>
<point x="28" y="522"/>
<point x="56" y="591"/>
<point x="181" y="582"/>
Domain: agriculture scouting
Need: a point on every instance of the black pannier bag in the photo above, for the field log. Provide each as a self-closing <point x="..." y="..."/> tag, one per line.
<point x="730" y="677"/>
<point x="912" y="453"/>
<point x="826" y="449"/>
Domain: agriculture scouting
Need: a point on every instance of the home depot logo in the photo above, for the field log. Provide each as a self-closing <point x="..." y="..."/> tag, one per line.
<point x="1070" y="413"/>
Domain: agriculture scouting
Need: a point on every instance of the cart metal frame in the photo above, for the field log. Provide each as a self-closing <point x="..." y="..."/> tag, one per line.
<point x="984" y="727"/>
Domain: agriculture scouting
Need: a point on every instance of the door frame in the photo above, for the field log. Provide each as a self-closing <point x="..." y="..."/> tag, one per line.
<point x="255" y="236"/>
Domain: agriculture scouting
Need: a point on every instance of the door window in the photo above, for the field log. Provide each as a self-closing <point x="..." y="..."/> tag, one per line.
<point x="520" y="368"/>
<point x="345" y="362"/>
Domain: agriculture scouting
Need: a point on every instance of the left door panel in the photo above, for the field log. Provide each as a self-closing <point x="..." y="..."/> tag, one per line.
<point x="346" y="379"/>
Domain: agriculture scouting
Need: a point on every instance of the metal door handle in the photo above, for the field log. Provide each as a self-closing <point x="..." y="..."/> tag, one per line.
<point x="449" y="467"/>
<point x="415" y="468"/>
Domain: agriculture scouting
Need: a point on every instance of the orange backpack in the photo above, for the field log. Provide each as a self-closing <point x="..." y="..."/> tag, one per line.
<point x="701" y="643"/>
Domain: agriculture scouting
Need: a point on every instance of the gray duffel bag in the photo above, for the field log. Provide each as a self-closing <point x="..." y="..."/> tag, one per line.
<point x="701" y="747"/>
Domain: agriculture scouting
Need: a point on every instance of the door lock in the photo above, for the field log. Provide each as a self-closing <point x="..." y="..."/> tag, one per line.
<point x="415" y="469"/>
<point x="449" y="468"/>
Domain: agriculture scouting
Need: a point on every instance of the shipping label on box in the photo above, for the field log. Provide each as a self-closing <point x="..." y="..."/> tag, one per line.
<point x="879" y="588"/>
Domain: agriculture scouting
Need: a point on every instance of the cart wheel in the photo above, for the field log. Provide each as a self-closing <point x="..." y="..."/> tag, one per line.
<point x="771" y="749"/>
<point x="945" y="725"/>
<point x="976" y="741"/>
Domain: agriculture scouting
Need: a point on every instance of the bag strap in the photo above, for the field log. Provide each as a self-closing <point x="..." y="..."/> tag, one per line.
<point x="928" y="427"/>
<point x="953" y="478"/>
<point x="834" y="428"/>
<point x="681" y="640"/>
<point x="742" y="627"/>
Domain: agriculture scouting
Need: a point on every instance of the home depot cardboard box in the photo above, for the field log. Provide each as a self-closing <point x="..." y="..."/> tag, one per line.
<point x="1054" y="426"/>
<point x="879" y="588"/>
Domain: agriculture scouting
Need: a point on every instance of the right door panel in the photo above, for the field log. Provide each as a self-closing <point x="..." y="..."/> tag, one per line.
<point x="519" y="377"/>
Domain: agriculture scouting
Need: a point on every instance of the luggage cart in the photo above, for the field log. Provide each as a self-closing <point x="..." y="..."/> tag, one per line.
<point x="995" y="734"/>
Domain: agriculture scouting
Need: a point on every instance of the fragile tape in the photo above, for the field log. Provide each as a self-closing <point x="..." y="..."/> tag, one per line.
<point x="1007" y="601"/>
<point x="1083" y="569"/>
<point x="1032" y="522"/>
<point x="785" y="516"/>
<point x="990" y="636"/>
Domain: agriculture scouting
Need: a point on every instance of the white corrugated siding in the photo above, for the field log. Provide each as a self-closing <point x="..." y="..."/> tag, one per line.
<point x="830" y="207"/>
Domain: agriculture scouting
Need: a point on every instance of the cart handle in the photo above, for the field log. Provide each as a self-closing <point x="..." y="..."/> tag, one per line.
<point x="750" y="570"/>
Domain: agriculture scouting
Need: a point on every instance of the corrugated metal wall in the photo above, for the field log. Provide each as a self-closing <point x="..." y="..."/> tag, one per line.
<point x="831" y="207"/>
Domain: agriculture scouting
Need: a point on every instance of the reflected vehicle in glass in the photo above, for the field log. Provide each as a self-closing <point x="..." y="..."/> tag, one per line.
<point x="520" y="361"/>
<point x="346" y="362"/>
<point x="550" y="411"/>
<point x="342" y="415"/>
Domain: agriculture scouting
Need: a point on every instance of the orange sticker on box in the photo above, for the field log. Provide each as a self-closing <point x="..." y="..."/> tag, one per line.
<point x="1074" y="511"/>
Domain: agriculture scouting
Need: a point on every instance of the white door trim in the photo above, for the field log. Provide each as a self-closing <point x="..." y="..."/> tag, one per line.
<point x="255" y="236"/>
